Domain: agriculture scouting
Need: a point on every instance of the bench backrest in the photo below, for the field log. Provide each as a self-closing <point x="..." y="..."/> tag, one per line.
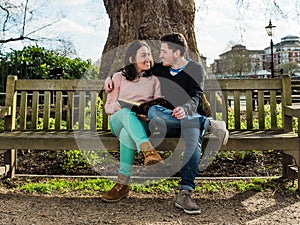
<point x="73" y="101"/>
<point x="76" y="101"/>
<point x="246" y="100"/>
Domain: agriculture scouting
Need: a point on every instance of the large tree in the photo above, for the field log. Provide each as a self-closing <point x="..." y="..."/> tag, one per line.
<point x="146" y="20"/>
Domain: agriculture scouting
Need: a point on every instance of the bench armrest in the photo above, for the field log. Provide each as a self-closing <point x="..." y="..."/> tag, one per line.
<point x="293" y="110"/>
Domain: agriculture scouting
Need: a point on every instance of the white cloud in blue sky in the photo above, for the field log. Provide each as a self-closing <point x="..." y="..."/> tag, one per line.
<point x="86" y="24"/>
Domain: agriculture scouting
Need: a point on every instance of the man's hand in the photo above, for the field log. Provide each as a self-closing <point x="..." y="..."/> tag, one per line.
<point x="179" y="113"/>
<point x="108" y="85"/>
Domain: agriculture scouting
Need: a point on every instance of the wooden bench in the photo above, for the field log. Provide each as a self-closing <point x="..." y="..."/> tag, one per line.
<point x="255" y="135"/>
<point x="29" y="101"/>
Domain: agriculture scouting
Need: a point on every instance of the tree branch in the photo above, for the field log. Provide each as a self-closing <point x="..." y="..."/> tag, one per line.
<point x="17" y="39"/>
<point x="43" y="27"/>
<point x="6" y="18"/>
<point x="24" y="18"/>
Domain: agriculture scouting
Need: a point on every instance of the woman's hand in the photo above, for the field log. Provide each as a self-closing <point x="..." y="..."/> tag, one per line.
<point x="108" y="85"/>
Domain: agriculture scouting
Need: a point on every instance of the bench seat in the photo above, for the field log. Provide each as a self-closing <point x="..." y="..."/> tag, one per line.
<point x="99" y="140"/>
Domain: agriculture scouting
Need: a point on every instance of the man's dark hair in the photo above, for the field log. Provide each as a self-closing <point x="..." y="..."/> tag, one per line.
<point x="176" y="41"/>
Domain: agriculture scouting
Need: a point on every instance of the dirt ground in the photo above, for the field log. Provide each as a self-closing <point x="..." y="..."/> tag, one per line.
<point x="276" y="207"/>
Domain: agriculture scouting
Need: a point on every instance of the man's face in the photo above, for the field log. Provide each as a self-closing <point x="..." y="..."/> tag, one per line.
<point x="166" y="55"/>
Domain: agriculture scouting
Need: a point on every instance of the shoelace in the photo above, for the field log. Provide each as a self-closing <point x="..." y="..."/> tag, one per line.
<point x="186" y="196"/>
<point x="150" y="151"/>
<point x="119" y="187"/>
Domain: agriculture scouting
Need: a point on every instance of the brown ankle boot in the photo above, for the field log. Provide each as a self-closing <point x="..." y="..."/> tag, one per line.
<point x="151" y="155"/>
<point x="119" y="191"/>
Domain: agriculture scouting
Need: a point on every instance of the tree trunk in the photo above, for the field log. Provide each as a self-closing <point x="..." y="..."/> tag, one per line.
<point x="145" y="20"/>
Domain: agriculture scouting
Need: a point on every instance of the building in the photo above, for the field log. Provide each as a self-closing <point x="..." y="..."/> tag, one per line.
<point x="237" y="62"/>
<point x="286" y="51"/>
<point x="241" y="62"/>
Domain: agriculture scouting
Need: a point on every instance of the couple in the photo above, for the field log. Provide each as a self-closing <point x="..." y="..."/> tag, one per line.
<point x="180" y="82"/>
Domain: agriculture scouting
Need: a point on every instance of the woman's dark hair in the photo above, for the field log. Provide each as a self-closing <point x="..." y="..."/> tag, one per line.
<point x="176" y="41"/>
<point x="129" y="70"/>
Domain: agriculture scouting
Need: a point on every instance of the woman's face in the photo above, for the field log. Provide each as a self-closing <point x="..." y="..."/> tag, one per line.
<point x="143" y="59"/>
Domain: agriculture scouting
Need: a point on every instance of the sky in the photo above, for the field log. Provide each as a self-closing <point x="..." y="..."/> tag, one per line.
<point x="222" y="24"/>
<point x="218" y="24"/>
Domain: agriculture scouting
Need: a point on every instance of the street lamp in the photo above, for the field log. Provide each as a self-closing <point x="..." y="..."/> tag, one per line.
<point x="269" y="30"/>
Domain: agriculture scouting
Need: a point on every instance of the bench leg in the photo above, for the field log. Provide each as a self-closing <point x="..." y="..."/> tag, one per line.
<point x="10" y="158"/>
<point x="299" y="179"/>
<point x="287" y="160"/>
<point x="291" y="166"/>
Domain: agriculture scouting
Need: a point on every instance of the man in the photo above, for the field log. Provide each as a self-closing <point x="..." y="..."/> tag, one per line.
<point x="181" y="85"/>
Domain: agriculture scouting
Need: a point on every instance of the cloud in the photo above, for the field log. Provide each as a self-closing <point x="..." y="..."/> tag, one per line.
<point x="71" y="2"/>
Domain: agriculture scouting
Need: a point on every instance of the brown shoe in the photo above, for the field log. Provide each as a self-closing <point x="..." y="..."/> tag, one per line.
<point x="119" y="191"/>
<point x="151" y="155"/>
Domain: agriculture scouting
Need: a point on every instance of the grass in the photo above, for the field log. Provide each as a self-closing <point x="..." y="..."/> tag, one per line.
<point x="94" y="186"/>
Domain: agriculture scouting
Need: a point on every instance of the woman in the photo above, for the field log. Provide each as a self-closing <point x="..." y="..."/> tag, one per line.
<point x="135" y="83"/>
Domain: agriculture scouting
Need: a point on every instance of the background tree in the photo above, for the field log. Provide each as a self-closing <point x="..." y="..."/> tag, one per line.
<point x="290" y="68"/>
<point x="33" y="62"/>
<point x="146" y="20"/>
<point x="237" y="61"/>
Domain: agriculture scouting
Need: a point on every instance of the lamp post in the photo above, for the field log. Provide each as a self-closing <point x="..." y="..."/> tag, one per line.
<point x="269" y="30"/>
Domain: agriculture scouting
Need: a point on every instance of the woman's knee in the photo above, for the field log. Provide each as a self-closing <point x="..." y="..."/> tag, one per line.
<point x="124" y="111"/>
<point x="126" y="139"/>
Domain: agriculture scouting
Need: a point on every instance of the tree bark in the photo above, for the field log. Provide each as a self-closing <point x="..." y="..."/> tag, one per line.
<point x="145" y="20"/>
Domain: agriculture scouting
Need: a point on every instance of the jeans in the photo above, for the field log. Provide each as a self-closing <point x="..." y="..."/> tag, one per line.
<point x="191" y="128"/>
<point x="131" y="133"/>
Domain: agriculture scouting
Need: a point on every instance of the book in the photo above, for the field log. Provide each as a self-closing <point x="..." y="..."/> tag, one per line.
<point x="142" y="108"/>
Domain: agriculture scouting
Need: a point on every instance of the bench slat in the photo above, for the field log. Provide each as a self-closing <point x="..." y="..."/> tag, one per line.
<point x="225" y="109"/>
<point x="82" y="103"/>
<point x="58" y="85"/>
<point x="47" y="102"/>
<point x="243" y="84"/>
<point x="58" y="110"/>
<point x="273" y="112"/>
<point x="70" y="111"/>
<point x="261" y="110"/>
<point x="249" y="109"/>
<point x="35" y="110"/>
<point x="23" y="110"/>
<point x="93" y="121"/>
<point x="237" y="109"/>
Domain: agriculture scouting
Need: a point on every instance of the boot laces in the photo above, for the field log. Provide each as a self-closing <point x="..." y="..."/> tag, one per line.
<point x="119" y="187"/>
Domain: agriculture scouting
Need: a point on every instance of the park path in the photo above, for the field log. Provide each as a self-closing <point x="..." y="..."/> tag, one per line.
<point x="156" y="208"/>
